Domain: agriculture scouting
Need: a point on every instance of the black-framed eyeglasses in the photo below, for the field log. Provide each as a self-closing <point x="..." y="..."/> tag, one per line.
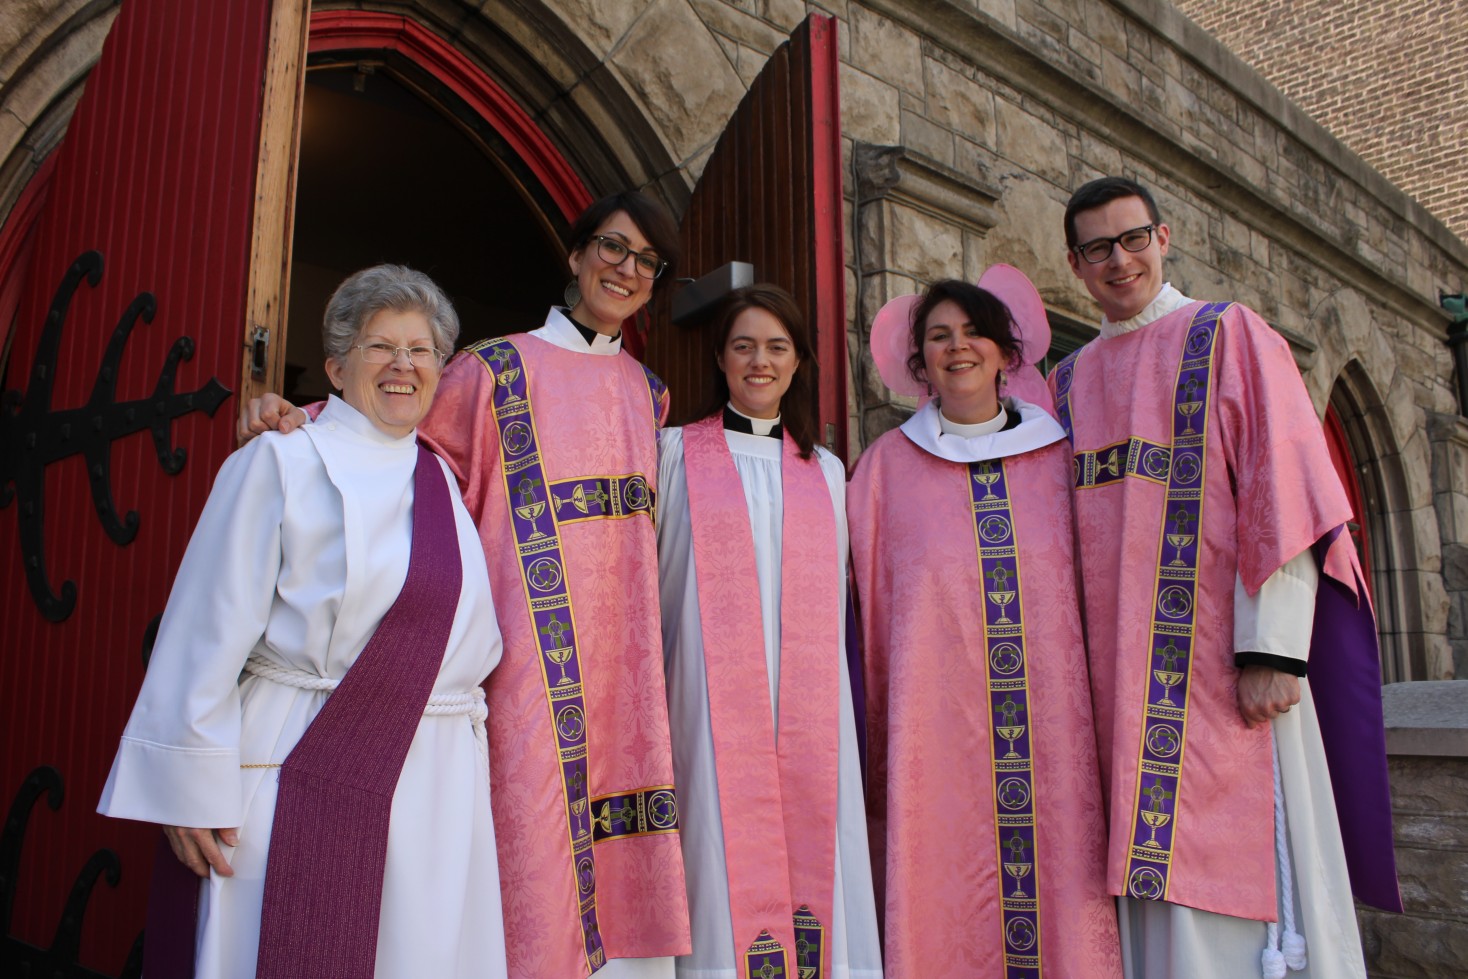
<point x="1098" y="250"/>
<point x="386" y="353"/>
<point x="615" y="252"/>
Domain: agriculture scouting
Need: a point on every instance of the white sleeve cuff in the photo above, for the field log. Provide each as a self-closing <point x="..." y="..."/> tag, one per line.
<point x="173" y="786"/>
<point x="1281" y="617"/>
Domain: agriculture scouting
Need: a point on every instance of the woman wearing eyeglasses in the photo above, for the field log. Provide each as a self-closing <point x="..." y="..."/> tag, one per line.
<point x="553" y="435"/>
<point x="752" y="561"/>
<point x="312" y="705"/>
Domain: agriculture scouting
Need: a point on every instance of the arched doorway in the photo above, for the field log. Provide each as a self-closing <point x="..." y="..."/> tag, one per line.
<point x="405" y="158"/>
<point x="126" y="391"/>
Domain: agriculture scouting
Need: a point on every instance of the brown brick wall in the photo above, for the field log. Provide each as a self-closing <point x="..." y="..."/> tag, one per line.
<point x="1388" y="77"/>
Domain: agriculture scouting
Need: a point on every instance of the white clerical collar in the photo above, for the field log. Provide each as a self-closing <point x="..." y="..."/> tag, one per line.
<point x="1168" y="300"/>
<point x="950" y="427"/>
<point x="560" y="331"/>
<point x="757" y="426"/>
<point x="1036" y="429"/>
<point x="339" y="415"/>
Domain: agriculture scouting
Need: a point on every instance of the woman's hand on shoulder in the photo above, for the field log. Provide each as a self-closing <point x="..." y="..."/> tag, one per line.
<point x="198" y="849"/>
<point x="269" y="413"/>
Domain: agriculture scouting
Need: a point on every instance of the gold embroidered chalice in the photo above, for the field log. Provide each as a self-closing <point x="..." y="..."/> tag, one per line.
<point x="1156" y="820"/>
<point x="505" y="379"/>
<point x="1168" y="679"/>
<point x="532" y="512"/>
<point x="986" y="477"/>
<point x="1010" y="733"/>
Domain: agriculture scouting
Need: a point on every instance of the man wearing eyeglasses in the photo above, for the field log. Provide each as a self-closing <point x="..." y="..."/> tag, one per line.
<point x="1210" y="522"/>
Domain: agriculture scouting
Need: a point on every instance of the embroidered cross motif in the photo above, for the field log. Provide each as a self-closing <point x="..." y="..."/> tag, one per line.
<point x="1181" y="518"/>
<point x="1010" y="710"/>
<point x="1170" y="655"/>
<point x="526" y="489"/>
<point x="555" y="629"/>
<point x="1159" y="795"/>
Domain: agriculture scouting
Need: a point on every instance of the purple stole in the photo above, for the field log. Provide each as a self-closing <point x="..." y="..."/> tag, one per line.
<point x="1181" y="468"/>
<point x="328" y="847"/>
<point x="779" y="832"/>
<point x="1009" y="699"/>
<point x="536" y="529"/>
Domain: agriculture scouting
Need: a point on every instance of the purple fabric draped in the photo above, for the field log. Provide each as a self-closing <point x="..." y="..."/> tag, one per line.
<point x="172" y="919"/>
<point x="1345" y="679"/>
<point x="328" y="847"/>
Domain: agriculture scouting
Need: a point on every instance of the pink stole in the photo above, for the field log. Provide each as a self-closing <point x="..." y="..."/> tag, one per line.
<point x="781" y="871"/>
<point x="328" y="847"/>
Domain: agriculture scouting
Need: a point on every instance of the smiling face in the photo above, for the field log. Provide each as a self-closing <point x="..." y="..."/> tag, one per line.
<point x="610" y="293"/>
<point x="758" y="361"/>
<point x="394" y="396"/>
<point x="1126" y="281"/>
<point x="962" y="365"/>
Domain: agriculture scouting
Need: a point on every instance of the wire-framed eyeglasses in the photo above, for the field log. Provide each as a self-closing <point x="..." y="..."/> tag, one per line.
<point x="614" y="252"/>
<point x="387" y="353"/>
<point x="1098" y="250"/>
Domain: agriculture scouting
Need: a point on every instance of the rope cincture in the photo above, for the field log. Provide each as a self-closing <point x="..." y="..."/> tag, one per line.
<point x="467" y="702"/>
<point x="1290" y="954"/>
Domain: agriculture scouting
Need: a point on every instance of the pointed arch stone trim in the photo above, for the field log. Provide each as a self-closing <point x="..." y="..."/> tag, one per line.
<point x="1397" y="573"/>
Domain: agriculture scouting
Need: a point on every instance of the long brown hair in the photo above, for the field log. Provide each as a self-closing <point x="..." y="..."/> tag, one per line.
<point x="797" y="407"/>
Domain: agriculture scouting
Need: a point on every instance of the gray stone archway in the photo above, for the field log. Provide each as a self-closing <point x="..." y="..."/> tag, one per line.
<point x="1356" y="370"/>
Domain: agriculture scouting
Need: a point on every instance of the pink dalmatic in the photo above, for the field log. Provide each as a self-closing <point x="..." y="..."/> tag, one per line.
<point x="590" y="422"/>
<point x="781" y="871"/>
<point x="1268" y="493"/>
<point x="940" y="786"/>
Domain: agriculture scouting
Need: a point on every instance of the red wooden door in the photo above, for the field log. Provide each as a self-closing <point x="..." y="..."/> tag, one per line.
<point x="130" y="284"/>
<point x="1340" y="457"/>
<point x="770" y="194"/>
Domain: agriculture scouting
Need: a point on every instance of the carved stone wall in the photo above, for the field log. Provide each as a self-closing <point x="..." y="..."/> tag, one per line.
<point x="1386" y="76"/>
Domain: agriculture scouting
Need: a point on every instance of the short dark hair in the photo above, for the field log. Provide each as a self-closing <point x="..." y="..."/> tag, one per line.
<point x="798" y="406"/>
<point x="983" y="309"/>
<point x="651" y="218"/>
<point x="1102" y="191"/>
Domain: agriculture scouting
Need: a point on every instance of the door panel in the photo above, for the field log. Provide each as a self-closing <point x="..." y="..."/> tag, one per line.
<point x="130" y="310"/>
<point x="770" y="194"/>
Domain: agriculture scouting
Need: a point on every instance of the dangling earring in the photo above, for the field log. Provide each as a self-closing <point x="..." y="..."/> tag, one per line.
<point x="572" y="295"/>
<point x="1002" y="381"/>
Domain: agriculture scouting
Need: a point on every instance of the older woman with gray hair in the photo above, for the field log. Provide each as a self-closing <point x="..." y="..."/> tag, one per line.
<point x="310" y="730"/>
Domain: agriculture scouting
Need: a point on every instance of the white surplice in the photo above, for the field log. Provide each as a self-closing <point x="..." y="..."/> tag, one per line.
<point x="301" y="549"/>
<point x="853" y="933"/>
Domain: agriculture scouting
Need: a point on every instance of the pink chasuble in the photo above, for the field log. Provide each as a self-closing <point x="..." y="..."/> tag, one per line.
<point x="777" y="798"/>
<point x="1268" y="493"/>
<point x="946" y="800"/>
<point x="584" y="808"/>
